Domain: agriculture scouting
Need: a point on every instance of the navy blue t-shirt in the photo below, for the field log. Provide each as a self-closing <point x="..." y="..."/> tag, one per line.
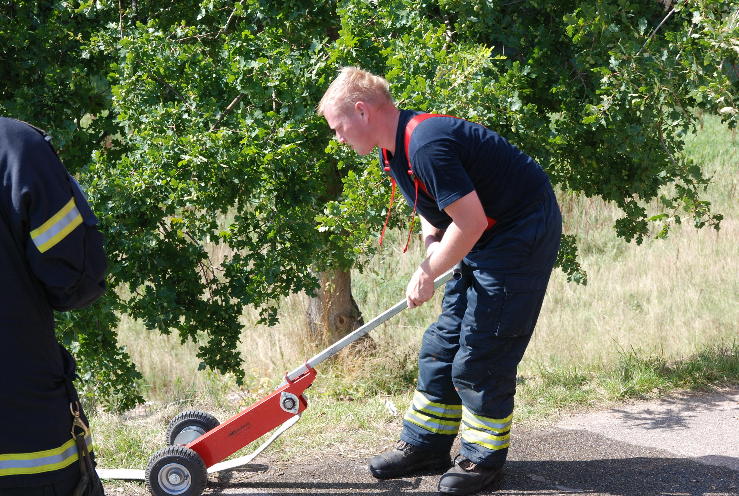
<point x="453" y="157"/>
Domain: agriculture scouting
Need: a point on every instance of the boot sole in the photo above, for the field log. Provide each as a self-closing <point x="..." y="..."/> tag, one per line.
<point x="388" y="474"/>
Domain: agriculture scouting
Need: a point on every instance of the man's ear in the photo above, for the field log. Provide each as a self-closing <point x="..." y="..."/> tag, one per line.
<point x="361" y="108"/>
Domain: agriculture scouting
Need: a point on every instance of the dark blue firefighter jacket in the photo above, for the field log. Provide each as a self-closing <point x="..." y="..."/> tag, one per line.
<point x="51" y="258"/>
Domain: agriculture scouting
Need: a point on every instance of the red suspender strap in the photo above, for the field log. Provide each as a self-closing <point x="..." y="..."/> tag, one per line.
<point x="409" y="128"/>
<point x="417" y="183"/>
<point x="386" y="167"/>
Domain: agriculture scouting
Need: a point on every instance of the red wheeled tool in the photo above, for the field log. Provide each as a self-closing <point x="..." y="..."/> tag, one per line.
<point x="198" y="442"/>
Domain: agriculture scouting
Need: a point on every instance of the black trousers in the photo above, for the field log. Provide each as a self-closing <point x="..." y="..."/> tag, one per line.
<point x="63" y="487"/>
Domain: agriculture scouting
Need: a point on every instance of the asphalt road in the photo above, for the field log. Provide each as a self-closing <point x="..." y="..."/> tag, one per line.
<point x="681" y="445"/>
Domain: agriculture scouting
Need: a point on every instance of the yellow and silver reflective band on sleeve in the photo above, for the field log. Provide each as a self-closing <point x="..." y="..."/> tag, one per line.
<point x="41" y="461"/>
<point x="438" y="418"/>
<point x="491" y="433"/>
<point x="57" y="227"/>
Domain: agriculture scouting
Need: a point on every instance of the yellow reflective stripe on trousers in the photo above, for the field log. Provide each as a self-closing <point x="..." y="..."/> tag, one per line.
<point x="485" y="439"/>
<point x="486" y="423"/>
<point x="57" y="227"/>
<point x="423" y="404"/>
<point x="41" y="461"/>
<point x="432" y="424"/>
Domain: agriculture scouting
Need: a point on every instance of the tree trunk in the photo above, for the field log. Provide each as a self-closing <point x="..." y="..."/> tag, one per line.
<point x="332" y="313"/>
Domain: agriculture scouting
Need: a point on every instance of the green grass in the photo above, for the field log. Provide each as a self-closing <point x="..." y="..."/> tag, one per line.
<point x="653" y="319"/>
<point x="634" y="375"/>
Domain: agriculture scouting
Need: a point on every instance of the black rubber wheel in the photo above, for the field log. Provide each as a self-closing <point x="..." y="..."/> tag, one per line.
<point x="176" y="471"/>
<point x="188" y="426"/>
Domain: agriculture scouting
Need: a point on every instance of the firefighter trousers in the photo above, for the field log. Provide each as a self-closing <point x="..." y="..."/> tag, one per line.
<point x="469" y="356"/>
<point x="64" y="487"/>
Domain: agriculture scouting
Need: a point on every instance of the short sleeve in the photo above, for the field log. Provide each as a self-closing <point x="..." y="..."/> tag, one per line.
<point x="438" y="166"/>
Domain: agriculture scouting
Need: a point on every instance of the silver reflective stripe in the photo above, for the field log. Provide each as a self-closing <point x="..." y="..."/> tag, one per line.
<point x="431" y="424"/>
<point x="422" y="403"/>
<point x="37" y="462"/>
<point x="484" y="439"/>
<point x="480" y="422"/>
<point x="57" y="227"/>
<point x="27" y="463"/>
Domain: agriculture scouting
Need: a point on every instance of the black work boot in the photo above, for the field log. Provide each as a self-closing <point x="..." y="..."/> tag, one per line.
<point x="406" y="459"/>
<point x="466" y="477"/>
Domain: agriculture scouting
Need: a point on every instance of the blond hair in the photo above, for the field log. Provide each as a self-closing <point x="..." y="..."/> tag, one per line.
<point x="353" y="85"/>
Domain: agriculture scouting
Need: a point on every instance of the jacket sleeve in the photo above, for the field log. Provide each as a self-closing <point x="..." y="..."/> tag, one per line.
<point x="63" y="246"/>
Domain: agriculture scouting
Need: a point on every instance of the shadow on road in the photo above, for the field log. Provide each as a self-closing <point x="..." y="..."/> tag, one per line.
<point x="675" y="412"/>
<point x="639" y="476"/>
<point x="317" y="487"/>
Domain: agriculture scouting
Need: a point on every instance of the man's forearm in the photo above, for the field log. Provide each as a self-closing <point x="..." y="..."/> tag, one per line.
<point x="453" y="246"/>
<point x="468" y="224"/>
<point x="431" y="235"/>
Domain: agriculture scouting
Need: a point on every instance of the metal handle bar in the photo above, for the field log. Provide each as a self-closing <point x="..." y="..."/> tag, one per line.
<point x="366" y="328"/>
